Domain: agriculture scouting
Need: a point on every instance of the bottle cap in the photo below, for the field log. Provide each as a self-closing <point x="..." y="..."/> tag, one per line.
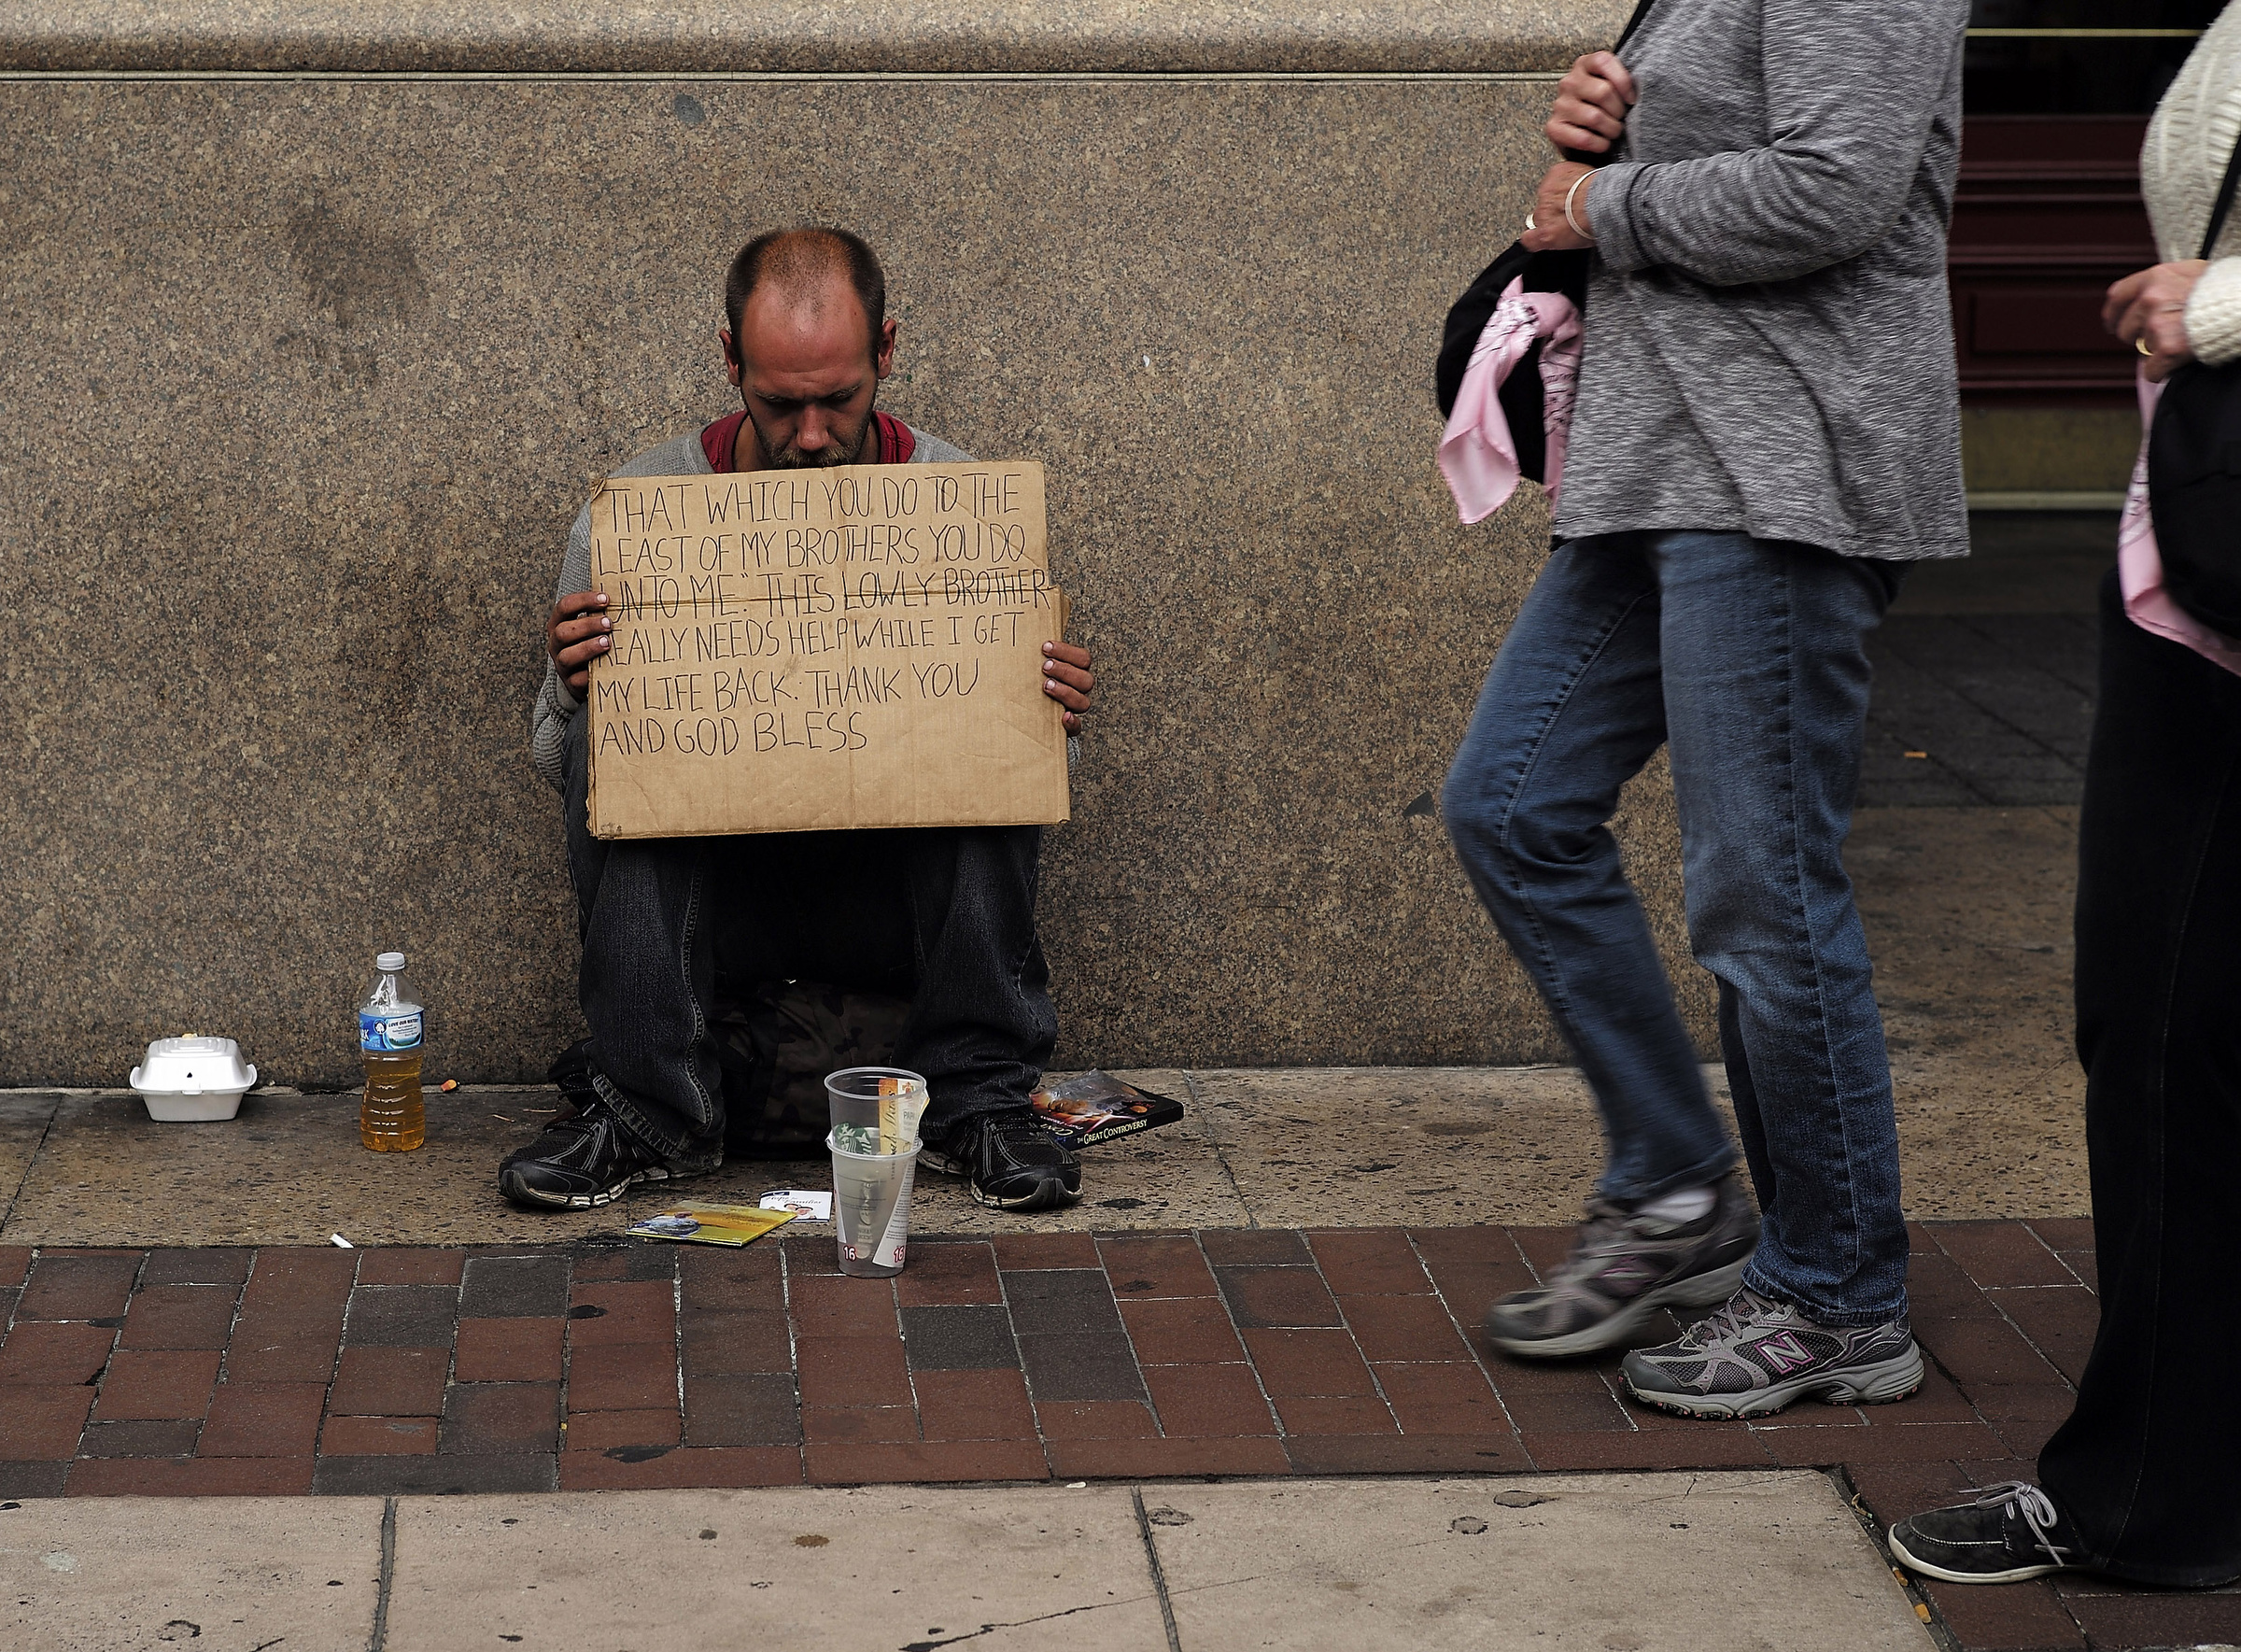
<point x="390" y="962"/>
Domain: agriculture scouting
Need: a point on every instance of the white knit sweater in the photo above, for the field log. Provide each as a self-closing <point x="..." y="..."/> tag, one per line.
<point x="2189" y="143"/>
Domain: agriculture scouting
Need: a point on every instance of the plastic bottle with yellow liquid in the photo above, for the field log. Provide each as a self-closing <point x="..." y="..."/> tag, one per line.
<point x="391" y="1026"/>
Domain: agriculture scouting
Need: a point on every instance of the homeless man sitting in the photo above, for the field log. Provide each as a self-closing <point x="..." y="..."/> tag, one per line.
<point x="922" y="942"/>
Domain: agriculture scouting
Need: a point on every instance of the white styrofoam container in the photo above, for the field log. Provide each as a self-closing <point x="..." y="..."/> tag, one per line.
<point x="192" y="1079"/>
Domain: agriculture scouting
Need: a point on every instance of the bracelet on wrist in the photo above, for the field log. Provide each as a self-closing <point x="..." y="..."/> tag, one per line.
<point x="1576" y="227"/>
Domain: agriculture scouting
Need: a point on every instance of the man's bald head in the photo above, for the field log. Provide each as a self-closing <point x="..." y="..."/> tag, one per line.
<point x="802" y="266"/>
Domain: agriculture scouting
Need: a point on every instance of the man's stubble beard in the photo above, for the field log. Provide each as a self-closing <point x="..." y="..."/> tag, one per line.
<point x="792" y="459"/>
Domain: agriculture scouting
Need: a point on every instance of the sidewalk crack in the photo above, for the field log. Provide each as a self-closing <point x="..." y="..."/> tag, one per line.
<point x="379" y="1640"/>
<point x="1159" y="1573"/>
<point x="31" y="1161"/>
<point x="1222" y="1152"/>
<point x="990" y="1629"/>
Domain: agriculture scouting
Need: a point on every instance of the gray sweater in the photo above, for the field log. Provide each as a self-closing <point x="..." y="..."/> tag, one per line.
<point x="681" y="455"/>
<point x="1768" y="341"/>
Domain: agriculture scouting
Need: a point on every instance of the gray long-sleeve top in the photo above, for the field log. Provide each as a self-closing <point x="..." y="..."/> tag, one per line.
<point x="1769" y="340"/>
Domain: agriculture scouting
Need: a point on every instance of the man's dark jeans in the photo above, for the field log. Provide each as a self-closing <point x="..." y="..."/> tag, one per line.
<point x="2145" y="1466"/>
<point x="944" y="917"/>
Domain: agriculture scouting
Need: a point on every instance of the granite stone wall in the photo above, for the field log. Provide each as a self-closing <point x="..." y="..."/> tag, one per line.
<point x="306" y="374"/>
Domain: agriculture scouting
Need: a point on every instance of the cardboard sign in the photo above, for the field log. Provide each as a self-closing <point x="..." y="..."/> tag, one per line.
<point x="824" y="650"/>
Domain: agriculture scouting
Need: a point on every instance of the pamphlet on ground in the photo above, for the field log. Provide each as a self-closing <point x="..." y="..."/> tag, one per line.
<point x="1095" y="1106"/>
<point x="709" y="1224"/>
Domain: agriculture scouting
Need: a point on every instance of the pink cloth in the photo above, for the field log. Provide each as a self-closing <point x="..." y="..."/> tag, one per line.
<point x="2140" y="564"/>
<point x="1477" y="455"/>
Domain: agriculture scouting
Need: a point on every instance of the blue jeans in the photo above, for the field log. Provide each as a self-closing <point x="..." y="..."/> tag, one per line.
<point x="1745" y="658"/>
<point x="944" y="917"/>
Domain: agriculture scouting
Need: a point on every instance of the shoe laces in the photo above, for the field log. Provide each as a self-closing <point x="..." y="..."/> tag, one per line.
<point x="1745" y="1308"/>
<point x="1021" y="1130"/>
<point x="1606" y="1221"/>
<point x="2021" y="1497"/>
<point x="585" y="1122"/>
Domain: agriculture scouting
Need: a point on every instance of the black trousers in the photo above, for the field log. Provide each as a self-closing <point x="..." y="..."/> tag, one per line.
<point x="942" y="916"/>
<point x="2146" y="1466"/>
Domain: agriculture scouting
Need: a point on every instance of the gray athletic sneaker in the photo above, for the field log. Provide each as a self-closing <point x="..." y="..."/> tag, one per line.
<point x="1754" y="1356"/>
<point x="1623" y="1268"/>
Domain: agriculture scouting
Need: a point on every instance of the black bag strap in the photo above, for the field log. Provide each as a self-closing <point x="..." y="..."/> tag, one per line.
<point x="2225" y="191"/>
<point x="1642" y="9"/>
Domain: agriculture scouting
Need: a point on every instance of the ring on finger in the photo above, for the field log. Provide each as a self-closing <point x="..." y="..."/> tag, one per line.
<point x="2141" y="344"/>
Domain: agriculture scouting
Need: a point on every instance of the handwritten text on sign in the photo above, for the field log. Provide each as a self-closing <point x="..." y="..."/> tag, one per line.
<point x="807" y="650"/>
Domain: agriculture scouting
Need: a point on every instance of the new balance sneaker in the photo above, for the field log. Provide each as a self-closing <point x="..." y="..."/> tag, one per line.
<point x="1624" y="1267"/>
<point x="579" y="1163"/>
<point x="2008" y="1534"/>
<point x="1011" y="1161"/>
<point x="1754" y="1356"/>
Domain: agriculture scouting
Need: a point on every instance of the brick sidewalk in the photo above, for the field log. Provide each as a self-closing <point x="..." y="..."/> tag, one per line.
<point x="1040" y="1355"/>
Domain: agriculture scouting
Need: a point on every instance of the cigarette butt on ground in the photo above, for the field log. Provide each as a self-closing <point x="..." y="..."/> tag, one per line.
<point x="338" y="1239"/>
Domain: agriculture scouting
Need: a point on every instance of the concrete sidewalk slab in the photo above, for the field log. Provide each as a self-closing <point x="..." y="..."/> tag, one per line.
<point x="223" y="1573"/>
<point x="1609" y="1562"/>
<point x="876" y="1567"/>
<point x="1612" y="1563"/>
<point x="1340" y="1146"/>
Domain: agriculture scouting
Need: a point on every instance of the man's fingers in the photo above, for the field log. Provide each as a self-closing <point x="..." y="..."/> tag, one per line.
<point x="1056" y="672"/>
<point x="1067" y="678"/>
<point x="561" y="633"/>
<point x="576" y="602"/>
<point x="580" y="656"/>
<point x="1066" y="694"/>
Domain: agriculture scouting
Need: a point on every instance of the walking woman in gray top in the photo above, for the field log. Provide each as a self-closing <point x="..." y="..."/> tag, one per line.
<point x="1767" y="429"/>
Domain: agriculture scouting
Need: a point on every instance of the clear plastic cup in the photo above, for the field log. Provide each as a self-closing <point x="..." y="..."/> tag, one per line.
<point x="873" y="1105"/>
<point x="874" y="1144"/>
<point x="871" y="1209"/>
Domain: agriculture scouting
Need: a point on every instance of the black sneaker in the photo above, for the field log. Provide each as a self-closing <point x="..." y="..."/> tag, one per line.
<point x="579" y="1163"/>
<point x="2006" y="1535"/>
<point x="1012" y="1162"/>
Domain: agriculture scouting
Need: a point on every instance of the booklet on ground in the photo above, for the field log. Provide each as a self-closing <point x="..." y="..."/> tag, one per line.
<point x="1097" y="1107"/>
<point x="709" y="1224"/>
